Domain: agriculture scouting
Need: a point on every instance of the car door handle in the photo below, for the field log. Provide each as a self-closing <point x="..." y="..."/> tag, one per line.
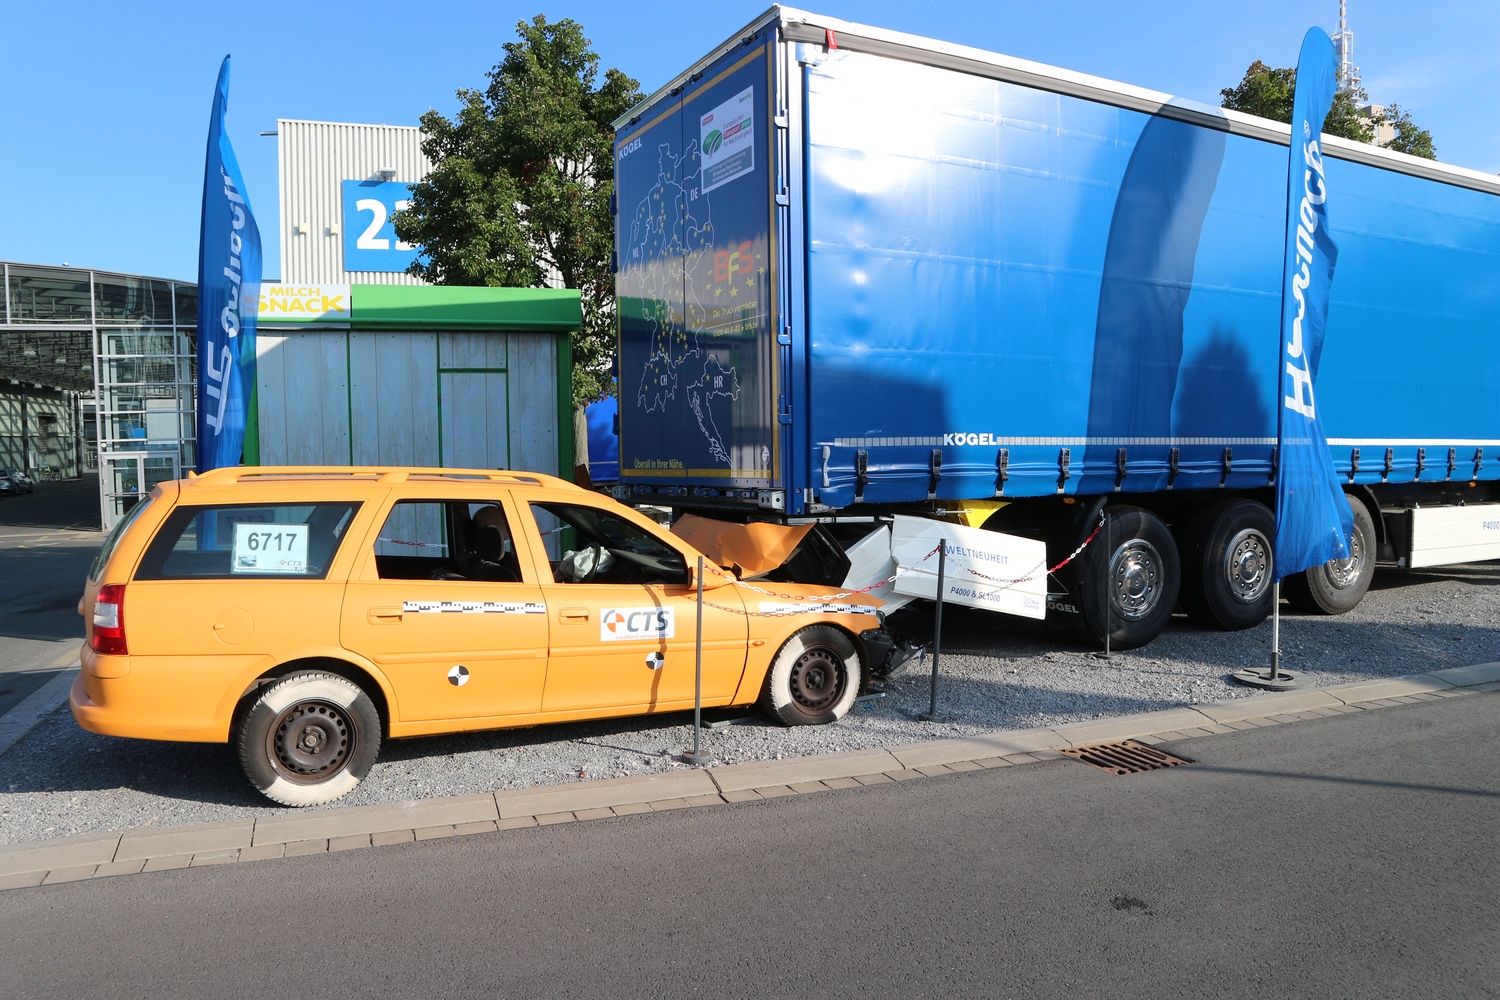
<point x="573" y="615"/>
<point x="385" y="616"/>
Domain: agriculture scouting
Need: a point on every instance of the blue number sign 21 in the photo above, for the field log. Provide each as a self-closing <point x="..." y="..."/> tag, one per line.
<point x="370" y="242"/>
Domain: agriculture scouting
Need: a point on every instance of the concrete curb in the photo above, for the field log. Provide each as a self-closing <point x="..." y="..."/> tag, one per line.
<point x="156" y="849"/>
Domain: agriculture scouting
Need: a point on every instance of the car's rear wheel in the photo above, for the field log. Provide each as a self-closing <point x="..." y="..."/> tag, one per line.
<point x="814" y="679"/>
<point x="309" y="738"/>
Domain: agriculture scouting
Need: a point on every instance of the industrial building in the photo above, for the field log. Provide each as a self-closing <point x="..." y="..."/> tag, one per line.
<point x="339" y="183"/>
<point x="388" y="369"/>
<point x="357" y="361"/>
<point x="96" y="371"/>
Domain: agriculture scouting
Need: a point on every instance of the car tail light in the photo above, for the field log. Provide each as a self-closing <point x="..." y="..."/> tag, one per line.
<point x="109" y="620"/>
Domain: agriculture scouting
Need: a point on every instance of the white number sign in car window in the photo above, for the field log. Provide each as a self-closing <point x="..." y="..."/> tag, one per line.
<point x="270" y="548"/>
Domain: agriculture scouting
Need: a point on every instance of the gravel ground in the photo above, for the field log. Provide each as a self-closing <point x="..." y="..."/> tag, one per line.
<point x="996" y="675"/>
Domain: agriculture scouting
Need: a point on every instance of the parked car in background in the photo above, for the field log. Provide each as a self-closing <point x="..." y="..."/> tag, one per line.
<point x="307" y="614"/>
<point x="14" y="482"/>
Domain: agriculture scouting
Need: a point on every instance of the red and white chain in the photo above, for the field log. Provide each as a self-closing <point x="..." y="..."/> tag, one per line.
<point x="1033" y="574"/>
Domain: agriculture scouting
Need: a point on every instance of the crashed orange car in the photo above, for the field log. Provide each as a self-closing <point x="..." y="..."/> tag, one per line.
<point x="307" y="614"/>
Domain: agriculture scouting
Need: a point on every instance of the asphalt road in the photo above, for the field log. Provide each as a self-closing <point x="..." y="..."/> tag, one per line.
<point x="1347" y="857"/>
<point x="47" y="540"/>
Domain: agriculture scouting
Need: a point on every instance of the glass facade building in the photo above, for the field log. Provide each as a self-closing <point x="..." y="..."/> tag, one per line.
<point x="127" y="340"/>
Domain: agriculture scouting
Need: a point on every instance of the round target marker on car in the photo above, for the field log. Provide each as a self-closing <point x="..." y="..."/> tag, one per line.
<point x="458" y="676"/>
<point x="654" y="661"/>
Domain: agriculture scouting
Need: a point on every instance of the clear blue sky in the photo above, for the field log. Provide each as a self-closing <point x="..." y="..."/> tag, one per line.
<point x="104" y="106"/>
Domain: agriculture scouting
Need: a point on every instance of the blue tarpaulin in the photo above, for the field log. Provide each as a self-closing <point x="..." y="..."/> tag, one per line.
<point x="604" y="440"/>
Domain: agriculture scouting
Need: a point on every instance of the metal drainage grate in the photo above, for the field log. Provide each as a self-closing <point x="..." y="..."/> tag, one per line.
<point x="1129" y="757"/>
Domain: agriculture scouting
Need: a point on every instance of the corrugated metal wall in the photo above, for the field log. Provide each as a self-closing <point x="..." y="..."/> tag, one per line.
<point x="313" y="158"/>
<point x="457" y="400"/>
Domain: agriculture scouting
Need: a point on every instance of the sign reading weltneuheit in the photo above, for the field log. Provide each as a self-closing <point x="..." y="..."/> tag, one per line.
<point x="983" y="569"/>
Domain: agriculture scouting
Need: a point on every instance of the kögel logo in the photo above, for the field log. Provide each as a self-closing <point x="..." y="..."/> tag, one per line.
<point x="713" y="141"/>
<point x="636" y="623"/>
<point x="962" y="438"/>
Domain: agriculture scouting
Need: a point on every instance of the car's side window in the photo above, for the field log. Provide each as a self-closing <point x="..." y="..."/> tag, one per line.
<point x="235" y="541"/>
<point x="590" y="545"/>
<point x="446" y="540"/>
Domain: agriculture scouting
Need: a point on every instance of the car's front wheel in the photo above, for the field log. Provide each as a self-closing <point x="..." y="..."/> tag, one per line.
<point x="309" y="738"/>
<point x="814" y="679"/>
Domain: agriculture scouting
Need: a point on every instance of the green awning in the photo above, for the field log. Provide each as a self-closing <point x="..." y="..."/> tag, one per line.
<point x="444" y="307"/>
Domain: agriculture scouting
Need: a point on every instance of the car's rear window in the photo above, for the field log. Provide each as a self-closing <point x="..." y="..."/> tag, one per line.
<point x="238" y="541"/>
<point x="113" y="538"/>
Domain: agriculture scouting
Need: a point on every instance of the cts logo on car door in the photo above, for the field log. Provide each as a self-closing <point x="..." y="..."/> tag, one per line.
<point x="636" y="623"/>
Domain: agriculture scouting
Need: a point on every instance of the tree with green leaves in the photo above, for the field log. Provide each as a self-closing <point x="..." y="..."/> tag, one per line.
<point x="1409" y="138"/>
<point x="1268" y="92"/>
<point x="519" y="192"/>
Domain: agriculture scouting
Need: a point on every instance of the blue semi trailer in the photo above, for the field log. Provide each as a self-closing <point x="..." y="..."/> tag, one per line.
<point x="863" y="273"/>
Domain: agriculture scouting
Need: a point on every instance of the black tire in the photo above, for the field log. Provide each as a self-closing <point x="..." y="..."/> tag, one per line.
<point x="1138" y="559"/>
<point x="309" y="738"/>
<point x="814" y="678"/>
<point x="1227" y="565"/>
<point x="1339" y="584"/>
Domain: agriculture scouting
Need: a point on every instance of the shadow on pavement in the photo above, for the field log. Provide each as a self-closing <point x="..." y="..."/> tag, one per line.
<point x="1357" y="643"/>
<point x="60" y="757"/>
<point x="39" y="591"/>
<point x="72" y="503"/>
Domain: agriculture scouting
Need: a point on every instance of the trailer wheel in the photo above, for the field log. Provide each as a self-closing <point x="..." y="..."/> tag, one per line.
<point x="1339" y="584"/>
<point x="1139" y="568"/>
<point x="1226" y="565"/>
<point x="814" y="678"/>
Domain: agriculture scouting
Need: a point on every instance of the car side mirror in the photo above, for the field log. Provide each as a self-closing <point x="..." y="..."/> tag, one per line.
<point x="713" y="576"/>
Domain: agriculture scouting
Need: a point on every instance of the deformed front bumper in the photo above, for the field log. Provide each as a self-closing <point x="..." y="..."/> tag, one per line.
<point x="877" y="643"/>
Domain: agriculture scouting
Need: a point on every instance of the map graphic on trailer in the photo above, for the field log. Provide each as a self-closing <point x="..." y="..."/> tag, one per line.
<point x="693" y="288"/>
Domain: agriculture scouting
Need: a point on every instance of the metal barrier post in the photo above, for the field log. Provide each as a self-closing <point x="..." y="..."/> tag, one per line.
<point x="931" y="715"/>
<point x="696" y="756"/>
<point x="1109" y="606"/>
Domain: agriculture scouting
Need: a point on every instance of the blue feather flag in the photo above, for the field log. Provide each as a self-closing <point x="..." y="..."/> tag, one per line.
<point x="229" y="272"/>
<point x="1313" y="519"/>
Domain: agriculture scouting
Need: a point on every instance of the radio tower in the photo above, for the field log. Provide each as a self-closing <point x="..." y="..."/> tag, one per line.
<point x="1343" y="44"/>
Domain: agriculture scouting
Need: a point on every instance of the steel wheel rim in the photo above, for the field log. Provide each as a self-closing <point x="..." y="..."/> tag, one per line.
<point x="1135" y="574"/>
<point x="311" y="741"/>
<point x="1344" y="573"/>
<point x="818" y="678"/>
<point x="1247" y="565"/>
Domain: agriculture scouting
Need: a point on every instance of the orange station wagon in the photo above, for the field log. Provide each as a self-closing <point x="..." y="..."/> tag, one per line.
<point x="305" y="614"/>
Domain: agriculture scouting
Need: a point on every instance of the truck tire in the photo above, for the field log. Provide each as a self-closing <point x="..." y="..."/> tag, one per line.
<point x="309" y="738"/>
<point x="1226" y="565"/>
<point x="814" y="679"/>
<point x="1137" y="563"/>
<point x="1339" y="584"/>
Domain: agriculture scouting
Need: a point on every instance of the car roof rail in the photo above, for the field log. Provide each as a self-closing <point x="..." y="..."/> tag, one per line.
<point x="377" y="473"/>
